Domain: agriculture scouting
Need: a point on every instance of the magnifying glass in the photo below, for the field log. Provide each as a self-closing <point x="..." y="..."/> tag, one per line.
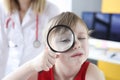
<point x="60" y="38"/>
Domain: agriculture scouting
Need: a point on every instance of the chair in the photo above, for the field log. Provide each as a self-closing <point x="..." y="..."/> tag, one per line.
<point x="110" y="70"/>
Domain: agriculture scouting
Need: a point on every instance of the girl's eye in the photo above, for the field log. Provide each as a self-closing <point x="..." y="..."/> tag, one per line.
<point x="66" y="40"/>
<point x="81" y="38"/>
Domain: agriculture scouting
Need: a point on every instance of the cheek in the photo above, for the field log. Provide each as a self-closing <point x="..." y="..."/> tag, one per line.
<point x="85" y="46"/>
<point x="63" y="59"/>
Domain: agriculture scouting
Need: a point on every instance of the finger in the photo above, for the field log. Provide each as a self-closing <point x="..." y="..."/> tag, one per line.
<point x="53" y="55"/>
<point x="49" y="64"/>
<point x="46" y="68"/>
<point x="51" y="60"/>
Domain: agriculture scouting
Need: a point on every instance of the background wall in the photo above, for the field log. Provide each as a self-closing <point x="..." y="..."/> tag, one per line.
<point x="78" y="6"/>
<point x="63" y="5"/>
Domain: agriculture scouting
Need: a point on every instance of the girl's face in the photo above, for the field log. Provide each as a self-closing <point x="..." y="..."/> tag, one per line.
<point x="79" y="52"/>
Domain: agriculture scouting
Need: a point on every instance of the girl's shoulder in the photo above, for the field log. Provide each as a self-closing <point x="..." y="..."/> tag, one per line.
<point x="94" y="73"/>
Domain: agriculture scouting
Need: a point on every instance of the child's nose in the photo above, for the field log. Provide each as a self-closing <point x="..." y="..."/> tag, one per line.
<point x="77" y="44"/>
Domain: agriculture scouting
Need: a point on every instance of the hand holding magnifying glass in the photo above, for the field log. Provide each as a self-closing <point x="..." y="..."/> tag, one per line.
<point x="44" y="61"/>
<point x="60" y="39"/>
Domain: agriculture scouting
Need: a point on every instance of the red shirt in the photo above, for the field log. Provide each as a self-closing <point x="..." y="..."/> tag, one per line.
<point x="48" y="75"/>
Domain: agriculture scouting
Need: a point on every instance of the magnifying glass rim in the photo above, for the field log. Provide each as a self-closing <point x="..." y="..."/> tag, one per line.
<point x="60" y="26"/>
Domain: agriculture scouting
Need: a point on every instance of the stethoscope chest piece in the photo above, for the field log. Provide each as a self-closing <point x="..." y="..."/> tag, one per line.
<point x="36" y="43"/>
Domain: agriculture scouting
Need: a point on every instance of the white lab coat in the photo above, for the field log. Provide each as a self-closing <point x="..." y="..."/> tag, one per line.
<point x="20" y="39"/>
<point x="3" y="45"/>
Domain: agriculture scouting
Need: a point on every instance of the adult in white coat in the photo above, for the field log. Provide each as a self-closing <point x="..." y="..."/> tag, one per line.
<point x="21" y="31"/>
<point x="3" y="45"/>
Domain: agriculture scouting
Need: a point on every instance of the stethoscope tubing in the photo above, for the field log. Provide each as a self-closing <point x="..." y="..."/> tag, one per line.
<point x="9" y="19"/>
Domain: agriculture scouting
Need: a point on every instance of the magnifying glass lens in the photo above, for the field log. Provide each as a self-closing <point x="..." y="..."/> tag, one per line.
<point x="60" y="38"/>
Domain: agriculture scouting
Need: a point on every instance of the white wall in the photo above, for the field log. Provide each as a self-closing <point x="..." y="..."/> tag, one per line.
<point x="63" y="5"/>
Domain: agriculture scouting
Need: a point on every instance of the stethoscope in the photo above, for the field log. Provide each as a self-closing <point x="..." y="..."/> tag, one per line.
<point x="36" y="42"/>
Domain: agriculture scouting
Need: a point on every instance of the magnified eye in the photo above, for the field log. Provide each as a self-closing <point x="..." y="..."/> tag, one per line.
<point x="65" y="40"/>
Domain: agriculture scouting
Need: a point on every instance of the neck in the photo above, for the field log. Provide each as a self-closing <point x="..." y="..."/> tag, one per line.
<point x="62" y="72"/>
<point x="24" y="5"/>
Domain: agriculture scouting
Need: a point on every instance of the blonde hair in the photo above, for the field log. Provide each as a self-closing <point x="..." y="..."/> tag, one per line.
<point x="66" y="18"/>
<point x="38" y="6"/>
